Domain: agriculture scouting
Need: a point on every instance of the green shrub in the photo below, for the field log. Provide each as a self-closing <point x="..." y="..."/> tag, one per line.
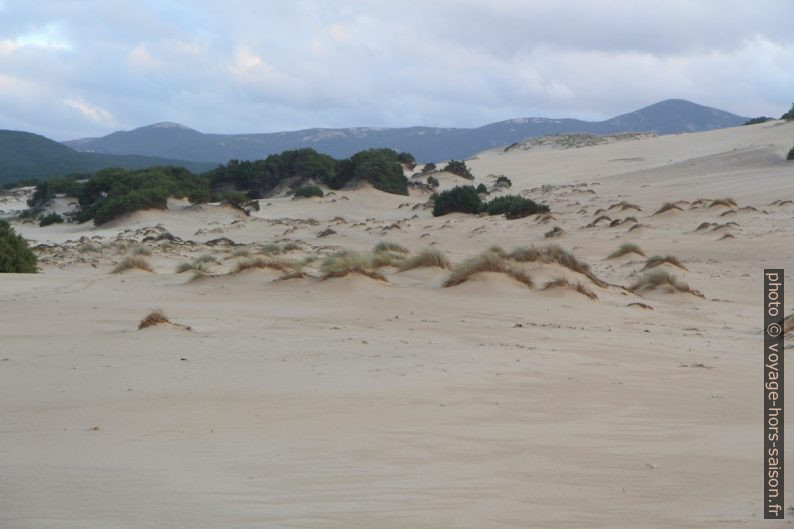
<point x="463" y="199"/>
<point x="308" y="191"/>
<point x="432" y="181"/>
<point x="514" y="207"/>
<point x="429" y="168"/>
<point x="407" y="159"/>
<point x="241" y="201"/>
<point x="15" y="254"/>
<point x="66" y="185"/>
<point x="482" y="189"/>
<point x="51" y="218"/>
<point x="756" y="121"/>
<point x="380" y="167"/>
<point x="503" y="181"/>
<point x="459" y="168"/>
<point x="790" y="154"/>
<point x="199" y="196"/>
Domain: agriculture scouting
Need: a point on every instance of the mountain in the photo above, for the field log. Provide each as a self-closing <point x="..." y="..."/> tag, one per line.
<point x="24" y="155"/>
<point x="425" y="143"/>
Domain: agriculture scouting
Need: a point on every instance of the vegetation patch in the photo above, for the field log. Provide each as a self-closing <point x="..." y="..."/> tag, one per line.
<point x="132" y="263"/>
<point x="658" y="260"/>
<point x="428" y="257"/>
<point x="309" y="191"/>
<point x="16" y="257"/>
<point x="514" y="207"/>
<point x="50" y="218"/>
<point x="625" y="249"/>
<point x="661" y="279"/>
<point x="485" y="262"/>
<point x="459" y="168"/>
<point x="668" y="206"/>
<point x="346" y="262"/>
<point x="578" y="287"/>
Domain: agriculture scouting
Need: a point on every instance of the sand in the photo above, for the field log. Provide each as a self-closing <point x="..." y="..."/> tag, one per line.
<point x="357" y="403"/>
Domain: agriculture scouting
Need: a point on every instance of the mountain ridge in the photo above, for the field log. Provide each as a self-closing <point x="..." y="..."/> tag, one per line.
<point x="174" y="140"/>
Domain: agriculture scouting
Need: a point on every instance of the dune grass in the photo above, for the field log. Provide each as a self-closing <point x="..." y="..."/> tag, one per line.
<point x="658" y="260"/>
<point x="485" y="262"/>
<point x="428" y="257"/>
<point x="564" y="283"/>
<point x="626" y="248"/>
<point x="131" y="263"/>
<point x="346" y="262"/>
<point x="553" y="233"/>
<point x="266" y="263"/>
<point x="194" y="265"/>
<point x="660" y="278"/>
<point x="727" y="202"/>
<point x="140" y="249"/>
<point x="667" y="206"/>
<point x="386" y="246"/>
<point x="156" y="317"/>
<point x="553" y="253"/>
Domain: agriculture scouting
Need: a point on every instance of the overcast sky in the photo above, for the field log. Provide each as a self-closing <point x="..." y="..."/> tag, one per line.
<point x="70" y="69"/>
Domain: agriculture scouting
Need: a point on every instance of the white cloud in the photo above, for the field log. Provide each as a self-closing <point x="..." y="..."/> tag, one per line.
<point x="93" y="113"/>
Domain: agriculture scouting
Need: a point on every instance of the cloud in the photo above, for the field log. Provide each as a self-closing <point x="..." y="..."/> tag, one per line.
<point x="248" y="66"/>
<point x="91" y="112"/>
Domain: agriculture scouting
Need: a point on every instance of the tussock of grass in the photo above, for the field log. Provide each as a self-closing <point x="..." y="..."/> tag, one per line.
<point x="194" y="265"/>
<point x="704" y="225"/>
<point x="727" y="202"/>
<point x="132" y="262"/>
<point x="624" y="249"/>
<point x="599" y="219"/>
<point x="667" y="206"/>
<point x="347" y="262"/>
<point x="553" y="233"/>
<point x="485" y="262"/>
<point x="660" y="278"/>
<point x="553" y="253"/>
<point x="140" y="249"/>
<point x="380" y="259"/>
<point x="578" y="287"/>
<point x="386" y="246"/>
<point x="658" y="260"/>
<point x="623" y="205"/>
<point x="156" y="317"/>
<point x="270" y="263"/>
<point x="498" y="250"/>
<point x="429" y="257"/>
<point x="241" y="252"/>
<point x="89" y="247"/>
<point x="290" y="247"/>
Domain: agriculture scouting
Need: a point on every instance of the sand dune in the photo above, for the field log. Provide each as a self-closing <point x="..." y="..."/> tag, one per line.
<point x="355" y="402"/>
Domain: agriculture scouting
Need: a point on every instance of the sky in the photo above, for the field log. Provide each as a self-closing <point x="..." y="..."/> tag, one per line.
<point x="71" y="69"/>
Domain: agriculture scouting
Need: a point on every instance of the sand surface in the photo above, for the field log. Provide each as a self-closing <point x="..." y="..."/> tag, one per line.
<point x="358" y="403"/>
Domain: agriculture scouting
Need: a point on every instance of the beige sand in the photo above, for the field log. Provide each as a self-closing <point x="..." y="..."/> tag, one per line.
<point x="354" y="403"/>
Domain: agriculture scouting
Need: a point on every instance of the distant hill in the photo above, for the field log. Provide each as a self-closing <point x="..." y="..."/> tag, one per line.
<point x="24" y="155"/>
<point x="425" y="143"/>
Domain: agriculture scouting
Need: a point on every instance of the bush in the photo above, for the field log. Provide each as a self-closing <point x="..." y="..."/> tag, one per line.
<point x="462" y="199"/>
<point x="790" y="154"/>
<point x="432" y="181"/>
<point x="308" y="191"/>
<point x="503" y="181"/>
<point x="429" y="168"/>
<point x="482" y="189"/>
<point x="16" y="257"/>
<point x="51" y="218"/>
<point x="199" y="196"/>
<point x="756" y="121"/>
<point x="380" y="167"/>
<point x="514" y="207"/>
<point x="459" y="168"/>
<point x="407" y="159"/>
<point x="789" y="116"/>
<point x="239" y="200"/>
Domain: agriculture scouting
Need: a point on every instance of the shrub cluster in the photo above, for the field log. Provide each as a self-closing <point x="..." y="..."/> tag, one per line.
<point x="15" y="254"/>
<point x="112" y="192"/>
<point x="308" y="191"/>
<point x="789" y="116"/>
<point x="503" y="181"/>
<point x="459" y="168"/>
<point x="756" y="121"/>
<point x="241" y="201"/>
<point x="432" y="181"/>
<point x="383" y="168"/>
<point x="50" y="218"/>
<point x="466" y="199"/>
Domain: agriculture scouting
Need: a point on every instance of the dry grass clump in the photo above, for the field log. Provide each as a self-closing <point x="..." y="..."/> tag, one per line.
<point x="623" y="205"/>
<point x="640" y="305"/>
<point x="624" y="249"/>
<point x="386" y="246"/>
<point x="667" y="206"/>
<point x="347" y="262"/>
<point x="156" y="317"/>
<point x="140" y="249"/>
<point x="193" y="265"/>
<point x="485" y="262"/>
<point x="269" y="263"/>
<point x="89" y="247"/>
<point x="498" y="250"/>
<point x="290" y="247"/>
<point x="658" y="260"/>
<point x="599" y="219"/>
<point x="132" y="262"/>
<point x="429" y="257"/>
<point x="552" y="253"/>
<point x="553" y="233"/>
<point x="381" y="259"/>
<point x="727" y="202"/>
<point x="241" y="252"/>
<point x="705" y="225"/>
<point x="660" y="278"/>
<point x="578" y="287"/>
